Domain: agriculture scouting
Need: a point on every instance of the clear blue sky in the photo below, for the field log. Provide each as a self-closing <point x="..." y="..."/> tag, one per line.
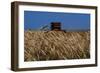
<point x="70" y="21"/>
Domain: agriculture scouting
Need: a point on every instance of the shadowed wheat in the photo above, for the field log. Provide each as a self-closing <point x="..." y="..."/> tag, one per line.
<point x="56" y="45"/>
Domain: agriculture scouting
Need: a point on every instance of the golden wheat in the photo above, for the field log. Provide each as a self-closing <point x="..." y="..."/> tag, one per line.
<point x="56" y="45"/>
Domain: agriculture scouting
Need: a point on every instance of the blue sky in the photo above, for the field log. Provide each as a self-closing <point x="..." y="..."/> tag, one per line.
<point x="69" y="21"/>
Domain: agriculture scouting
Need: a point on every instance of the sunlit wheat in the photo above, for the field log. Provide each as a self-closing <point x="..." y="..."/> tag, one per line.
<point x="56" y="45"/>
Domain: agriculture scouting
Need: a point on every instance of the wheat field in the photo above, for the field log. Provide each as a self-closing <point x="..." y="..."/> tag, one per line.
<point x="56" y="45"/>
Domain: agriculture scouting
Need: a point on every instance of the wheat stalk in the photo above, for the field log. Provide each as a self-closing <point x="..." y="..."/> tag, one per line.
<point x="56" y="45"/>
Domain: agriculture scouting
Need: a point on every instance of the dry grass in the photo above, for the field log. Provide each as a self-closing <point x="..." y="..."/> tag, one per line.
<point x="56" y="45"/>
